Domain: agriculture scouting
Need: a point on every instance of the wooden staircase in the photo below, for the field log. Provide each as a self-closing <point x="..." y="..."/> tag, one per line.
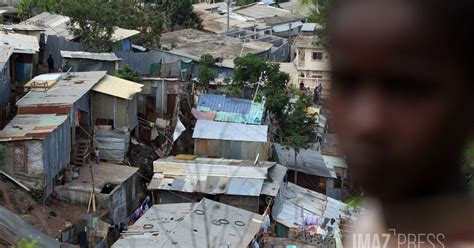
<point x="83" y="153"/>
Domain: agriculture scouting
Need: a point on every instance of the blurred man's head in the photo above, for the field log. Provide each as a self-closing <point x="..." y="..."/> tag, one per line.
<point x="403" y="91"/>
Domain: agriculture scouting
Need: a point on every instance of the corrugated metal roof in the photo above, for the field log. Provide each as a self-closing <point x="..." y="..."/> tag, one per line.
<point x="286" y="27"/>
<point x="335" y="161"/>
<point x="5" y="53"/>
<point x="21" y="43"/>
<point x="231" y="109"/>
<point x="198" y="230"/>
<point x="159" y="217"/>
<point x="13" y="229"/>
<point x="66" y="91"/>
<point x="91" y="56"/>
<point x="272" y="184"/>
<point x="122" y="33"/>
<point x="55" y="24"/>
<point x="310" y="27"/>
<point x="26" y="127"/>
<point x="22" y="27"/>
<point x="209" y="178"/>
<point x="118" y="87"/>
<point x="308" y="161"/>
<point x="215" y="130"/>
<point x="186" y="225"/>
<point x="287" y="207"/>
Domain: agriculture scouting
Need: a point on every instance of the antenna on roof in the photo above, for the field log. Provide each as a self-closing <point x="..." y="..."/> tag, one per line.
<point x="68" y="73"/>
<point x="256" y="159"/>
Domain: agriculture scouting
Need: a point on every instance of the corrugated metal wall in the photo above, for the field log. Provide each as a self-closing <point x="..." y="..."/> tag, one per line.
<point x="55" y="44"/>
<point x="123" y="112"/>
<point x="121" y="118"/>
<point x="5" y="84"/>
<point x="231" y="149"/>
<point x="113" y="145"/>
<point x="124" y="200"/>
<point x="80" y="65"/>
<point x="56" y="152"/>
<point x="133" y="113"/>
<point x="103" y="107"/>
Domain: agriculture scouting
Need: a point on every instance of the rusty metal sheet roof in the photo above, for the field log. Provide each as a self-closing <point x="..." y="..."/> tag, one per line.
<point x="209" y="178"/>
<point x="27" y="127"/>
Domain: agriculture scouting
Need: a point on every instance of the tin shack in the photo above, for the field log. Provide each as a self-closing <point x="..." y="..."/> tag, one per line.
<point x="37" y="149"/>
<point x="114" y="115"/>
<point x="215" y="139"/>
<point x="236" y="182"/>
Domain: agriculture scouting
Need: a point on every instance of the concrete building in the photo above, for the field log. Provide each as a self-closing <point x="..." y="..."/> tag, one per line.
<point x="114" y="115"/>
<point x="85" y="61"/>
<point x="312" y="63"/>
<point x="231" y="140"/>
<point x="193" y="225"/>
<point x="37" y="149"/>
<point x="224" y="49"/>
<point x="237" y="182"/>
<point x="116" y="187"/>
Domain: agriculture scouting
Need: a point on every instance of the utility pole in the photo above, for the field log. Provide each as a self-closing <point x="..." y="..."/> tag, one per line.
<point x="289" y="40"/>
<point x="228" y="15"/>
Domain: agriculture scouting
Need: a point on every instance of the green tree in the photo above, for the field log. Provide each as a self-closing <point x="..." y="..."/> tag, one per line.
<point x="92" y="21"/>
<point x="298" y="127"/>
<point x="147" y="18"/>
<point x="129" y="74"/>
<point x="319" y="14"/>
<point x="29" y="8"/>
<point x="180" y="13"/>
<point x="206" y="70"/>
<point x="250" y="70"/>
<point x="27" y="243"/>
